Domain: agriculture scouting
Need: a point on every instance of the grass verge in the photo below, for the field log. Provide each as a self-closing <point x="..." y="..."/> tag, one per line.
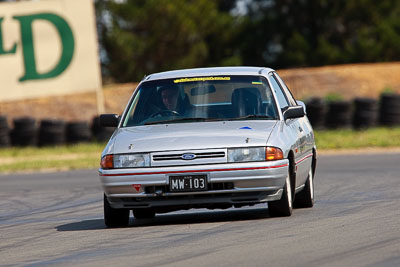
<point x="80" y="156"/>
<point x="352" y="139"/>
<point x="84" y="156"/>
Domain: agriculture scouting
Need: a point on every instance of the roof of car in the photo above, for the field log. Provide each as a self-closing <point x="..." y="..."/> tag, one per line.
<point x="208" y="72"/>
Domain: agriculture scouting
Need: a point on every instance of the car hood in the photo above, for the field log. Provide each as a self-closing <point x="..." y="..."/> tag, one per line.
<point x="187" y="136"/>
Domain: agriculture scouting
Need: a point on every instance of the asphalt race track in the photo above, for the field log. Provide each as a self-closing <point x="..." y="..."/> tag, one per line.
<point x="56" y="219"/>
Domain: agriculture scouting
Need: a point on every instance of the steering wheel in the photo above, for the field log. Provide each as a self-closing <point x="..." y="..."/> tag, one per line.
<point x="166" y="113"/>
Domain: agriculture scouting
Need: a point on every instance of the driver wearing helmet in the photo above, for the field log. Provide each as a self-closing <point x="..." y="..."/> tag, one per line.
<point x="169" y="97"/>
<point x="174" y="102"/>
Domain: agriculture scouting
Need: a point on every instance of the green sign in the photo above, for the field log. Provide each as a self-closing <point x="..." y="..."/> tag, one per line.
<point x="66" y="37"/>
<point x="2" y="50"/>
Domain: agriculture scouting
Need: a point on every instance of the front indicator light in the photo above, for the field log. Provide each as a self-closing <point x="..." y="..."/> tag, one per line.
<point x="273" y="153"/>
<point x="107" y="162"/>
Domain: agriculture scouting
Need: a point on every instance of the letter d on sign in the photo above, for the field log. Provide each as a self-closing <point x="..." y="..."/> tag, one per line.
<point x="67" y="40"/>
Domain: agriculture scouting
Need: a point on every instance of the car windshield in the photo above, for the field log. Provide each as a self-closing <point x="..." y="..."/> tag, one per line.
<point x="199" y="99"/>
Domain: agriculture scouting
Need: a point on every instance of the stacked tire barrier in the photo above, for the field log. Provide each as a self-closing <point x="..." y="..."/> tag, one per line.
<point x="339" y="114"/>
<point x="78" y="132"/>
<point x="361" y="113"/>
<point x="365" y="113"/>
<point x="316" y="111"/>
<point x="4" y="132"/>
<point x="390" y="110"/>
<point x="52" y="132"/>
<point x="24" y="132"/>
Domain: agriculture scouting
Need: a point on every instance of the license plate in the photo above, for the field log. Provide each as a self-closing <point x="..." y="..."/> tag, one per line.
<point x="188" y="183"/>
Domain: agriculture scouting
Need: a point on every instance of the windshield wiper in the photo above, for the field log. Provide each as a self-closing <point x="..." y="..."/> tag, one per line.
<point x="252" y="116"/>
<point x="181" y="120"/>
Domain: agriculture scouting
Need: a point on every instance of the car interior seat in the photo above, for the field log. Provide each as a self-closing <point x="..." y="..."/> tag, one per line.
<point x="246" y="101"/>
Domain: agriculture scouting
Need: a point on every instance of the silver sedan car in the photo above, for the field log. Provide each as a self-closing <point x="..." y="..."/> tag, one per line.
<point x="208" y="138"/>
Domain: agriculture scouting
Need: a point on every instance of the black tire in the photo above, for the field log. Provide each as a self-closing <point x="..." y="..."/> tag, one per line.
<point x="115" y="217"/>
<point x="284" y="206"/>
<point x="24" y="132"/>
<point x="390" y="110"/>
<point x="51" y="132"/>
<point x="339" y="114"/>
<point x="5" y="140"/>
<point x="78" y="131"/>
<point x="365" y="113"/>
<point x="144" y="213"/>
<point x="305" y="198"/>
<point x="316" y="112"/>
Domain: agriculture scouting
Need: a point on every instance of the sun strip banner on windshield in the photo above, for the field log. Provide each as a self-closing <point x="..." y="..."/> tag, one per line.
<point x="202" y="79"/>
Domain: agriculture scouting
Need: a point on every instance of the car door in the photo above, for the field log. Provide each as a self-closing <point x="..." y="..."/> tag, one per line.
<point x="308" y="141"/>
<point x="295" y="126"/>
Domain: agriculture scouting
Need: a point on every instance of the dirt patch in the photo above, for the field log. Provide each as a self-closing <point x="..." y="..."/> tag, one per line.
<point x="349" y="81"/>
<point x="353" y="80"/>
<point x="77" y="107"/>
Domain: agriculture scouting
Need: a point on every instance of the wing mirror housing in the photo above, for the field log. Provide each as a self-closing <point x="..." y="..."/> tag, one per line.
<point x="301" y="103"/>
<point x="294" y="112"/>
<point x="109" y="120"/>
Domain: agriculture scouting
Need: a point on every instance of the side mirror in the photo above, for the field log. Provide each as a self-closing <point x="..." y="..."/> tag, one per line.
<point x="109" y="120"/>
<point x="301" y="103"/>
<point x="294" y="112"/>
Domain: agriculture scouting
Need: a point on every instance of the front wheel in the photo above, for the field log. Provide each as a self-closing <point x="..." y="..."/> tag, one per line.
<point x="284" y="206"/>
<point x="115" y="217"/>
<point x="305" y="198"/>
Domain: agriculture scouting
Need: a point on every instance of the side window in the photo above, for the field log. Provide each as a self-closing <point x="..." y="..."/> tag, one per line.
<point x="283" y="103"/>
<point x="289" y="95"/>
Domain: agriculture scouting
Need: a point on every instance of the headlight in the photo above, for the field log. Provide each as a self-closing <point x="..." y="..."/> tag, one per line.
<point x="131" y="160"/>
<point x="246" y="154"/>
<point x="254" y="154"/>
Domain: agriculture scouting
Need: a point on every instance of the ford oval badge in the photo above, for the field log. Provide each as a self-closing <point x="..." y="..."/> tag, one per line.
<point x="188" y="156"/>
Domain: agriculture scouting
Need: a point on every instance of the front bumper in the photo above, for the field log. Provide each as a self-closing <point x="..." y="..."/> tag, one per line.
<point x="229" y="184"/>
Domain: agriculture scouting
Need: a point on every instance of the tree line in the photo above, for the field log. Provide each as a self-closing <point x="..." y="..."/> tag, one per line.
<point x="139" y="37"/>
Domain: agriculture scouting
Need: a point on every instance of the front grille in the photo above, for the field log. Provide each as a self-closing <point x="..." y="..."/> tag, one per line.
<point x="202" y="155"/>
